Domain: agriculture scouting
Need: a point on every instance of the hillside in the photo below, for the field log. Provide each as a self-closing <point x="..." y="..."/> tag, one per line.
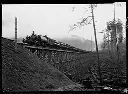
<point x="78" y="42"/>
<point x="23" y="71"/>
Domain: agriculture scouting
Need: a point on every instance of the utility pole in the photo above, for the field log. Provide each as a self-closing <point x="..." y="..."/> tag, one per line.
<point x="15" y="33"/>
<point x="96" y="44"/>
<point x="117" y="47"/>
<point x="91" y="43"/>
<point x="116" y="41"/>
<point x="115" y="29"/>
<point x="114" y="12"/>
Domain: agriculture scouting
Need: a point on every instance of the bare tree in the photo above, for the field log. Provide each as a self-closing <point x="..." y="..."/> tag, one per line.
<point x="86" y="21"/>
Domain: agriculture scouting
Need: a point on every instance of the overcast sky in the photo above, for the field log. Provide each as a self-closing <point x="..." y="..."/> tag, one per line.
<point x="54" y="19"/>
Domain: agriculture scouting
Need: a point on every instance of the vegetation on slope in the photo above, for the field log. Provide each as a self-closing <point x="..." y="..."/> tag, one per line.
<point x="23" y="71"/>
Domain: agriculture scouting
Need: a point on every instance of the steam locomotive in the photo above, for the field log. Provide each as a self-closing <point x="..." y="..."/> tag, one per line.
<point x="45" y="41"/>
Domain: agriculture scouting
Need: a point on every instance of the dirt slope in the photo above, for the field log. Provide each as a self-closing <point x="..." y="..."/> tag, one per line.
<point x="23" y="71"/>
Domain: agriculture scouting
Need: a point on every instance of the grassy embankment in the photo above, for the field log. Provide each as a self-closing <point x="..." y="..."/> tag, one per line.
<point x="23" y="71"/>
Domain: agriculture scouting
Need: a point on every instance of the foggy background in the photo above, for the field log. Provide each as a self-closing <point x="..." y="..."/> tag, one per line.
<point x="54" y="20"/>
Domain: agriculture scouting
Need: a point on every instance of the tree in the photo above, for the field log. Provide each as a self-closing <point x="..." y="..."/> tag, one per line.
<point x="85" y="21"/>
<point x="115" y="28"/>
<point x="106" y="40"/>
<point x="104" y="45"/>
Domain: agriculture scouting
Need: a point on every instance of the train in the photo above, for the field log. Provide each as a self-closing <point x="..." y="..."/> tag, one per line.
<point x="45" y="41"/>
